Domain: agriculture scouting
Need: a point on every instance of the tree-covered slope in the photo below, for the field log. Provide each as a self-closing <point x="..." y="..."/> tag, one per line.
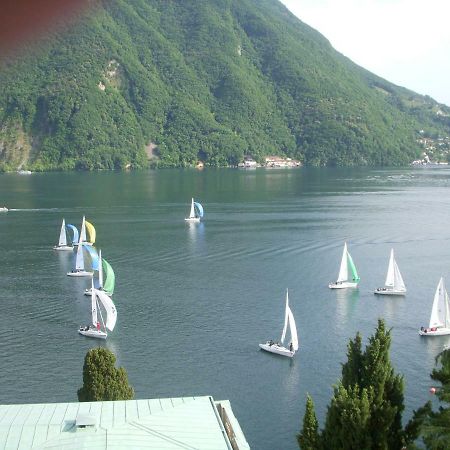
<point x="207" y="80"/>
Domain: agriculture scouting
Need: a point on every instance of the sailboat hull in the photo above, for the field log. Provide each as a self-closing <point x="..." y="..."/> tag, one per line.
<point x="88" y="292"/>
<point x="63" y="248"/>
<point x="277" y="349"/>
<point x="386" y="291"/>
<point x="80" y="273"/>
<point x="192" y="219"/>
<point x="93" y="333"/>
<point x="442" y="331"/>
<point x="342" y="285"/>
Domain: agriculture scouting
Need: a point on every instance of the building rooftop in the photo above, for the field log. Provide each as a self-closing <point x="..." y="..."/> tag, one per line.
<point x="160" y="424"/>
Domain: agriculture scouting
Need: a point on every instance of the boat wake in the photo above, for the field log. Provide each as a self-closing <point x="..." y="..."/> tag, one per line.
<point x="33" y="209"/>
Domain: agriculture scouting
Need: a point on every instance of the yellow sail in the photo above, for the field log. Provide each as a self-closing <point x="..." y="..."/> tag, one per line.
<point x="91" y="231"/>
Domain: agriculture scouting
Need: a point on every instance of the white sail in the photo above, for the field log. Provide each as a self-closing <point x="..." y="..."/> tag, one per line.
<point x="394" y="279"/>
<point x="62" y="235"/>
<point x="94" y="305"/>
<point x="111" y="312"/>
<point x="100" y="270"/>
<point x="283" y="334"/>
<point x="192" y="212"/>
<point x="343" y="270"/>
<point x="399" y="284"/>
<point x="439" y="311"/>
<point x="289" y="323"/>
<point x="79" y="262"/>
<point x="390" y="273"/>
<point x="447" y="311"/>
<point x="83" y="230"/>
<point x="293" y="330"/>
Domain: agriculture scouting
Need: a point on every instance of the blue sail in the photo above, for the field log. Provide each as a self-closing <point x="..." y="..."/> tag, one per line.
<point x="198" y="209"/>
<point x="75" y="236"/>
<point x="94" y="256"/>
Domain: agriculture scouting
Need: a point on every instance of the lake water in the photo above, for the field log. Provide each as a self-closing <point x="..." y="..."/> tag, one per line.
<point x="195" y="300"/>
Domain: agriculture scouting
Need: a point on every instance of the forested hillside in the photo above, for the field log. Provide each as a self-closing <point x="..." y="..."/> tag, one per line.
<point x="181" y="81"/>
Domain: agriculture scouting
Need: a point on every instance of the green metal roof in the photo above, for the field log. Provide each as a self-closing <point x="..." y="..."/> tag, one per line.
<point x="160" y="424"/>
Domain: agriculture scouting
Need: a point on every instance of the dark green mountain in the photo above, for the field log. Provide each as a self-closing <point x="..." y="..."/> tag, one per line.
<point x="209" y="80"/>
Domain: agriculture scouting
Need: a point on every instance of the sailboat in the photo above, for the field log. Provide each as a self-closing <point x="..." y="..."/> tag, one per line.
<point x="79" y="264"/>
<point x="75" y="236"/>
<point x="289" y="322"/>
<point x="108" y="285"/>
<point x="62" y="243"/>
<point x="196" y="212"/>
<point x="348" y="276"/>
<point x="98" y="328"/>
<point x="394" y="284"/>
<point x="85" y="225"/>
<point x="440" y="313"/>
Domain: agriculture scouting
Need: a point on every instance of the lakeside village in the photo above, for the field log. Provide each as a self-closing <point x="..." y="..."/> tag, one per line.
<point x="436" y="150"/>
<point x="269" y="162"/>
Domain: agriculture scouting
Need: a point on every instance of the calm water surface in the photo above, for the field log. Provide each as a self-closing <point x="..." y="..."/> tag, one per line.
<point x="194" y="301"/>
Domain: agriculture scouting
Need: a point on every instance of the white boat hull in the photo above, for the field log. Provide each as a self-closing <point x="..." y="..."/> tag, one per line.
<point x="88" y="292"/>
<point x="434" y="331"/>
<point x="343" y="285"/>
<point x="3" y="209"/>
<point x="80" y="273"/>
<point x="192" y="219"/>
<point x="93" y="333"/>
<point x="63" y="248"/>
<point x="277" y="349"/>
<point x="384" y="291"/>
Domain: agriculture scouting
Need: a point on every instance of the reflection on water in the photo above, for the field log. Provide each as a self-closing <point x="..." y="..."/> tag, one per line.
<point x="291" y="380"/>
<point x="434" y="345"/>
<point x="390" y="304"/>
<point x="196" y="231"/>
<point x="65" y="260"/>
<point x="346" y="300"/>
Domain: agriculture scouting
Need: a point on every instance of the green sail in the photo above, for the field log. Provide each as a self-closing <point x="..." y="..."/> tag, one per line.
<point x="351" y="264"/>
<point x="110" y="278"/>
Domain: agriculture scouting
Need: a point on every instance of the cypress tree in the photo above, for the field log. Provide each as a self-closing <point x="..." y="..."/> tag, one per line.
<point x="436" y="425"/>
<point x="347" y="422"/>
<point x="366" y="409"/>
<point x="102" y="380"/>
<point x="351" y="370"/>
<point x="309" y="438"/>
<point x="386" y="402"/>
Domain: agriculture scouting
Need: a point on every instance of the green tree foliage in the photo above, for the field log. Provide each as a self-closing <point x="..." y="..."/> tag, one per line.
<point x="366" y="409"/>
<point x="102" y="380"/>
<point x="347" y="424"/>
<point x="207" y="80"/>
<point x="435" y="425"/>
<point x="309" y="438"/>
